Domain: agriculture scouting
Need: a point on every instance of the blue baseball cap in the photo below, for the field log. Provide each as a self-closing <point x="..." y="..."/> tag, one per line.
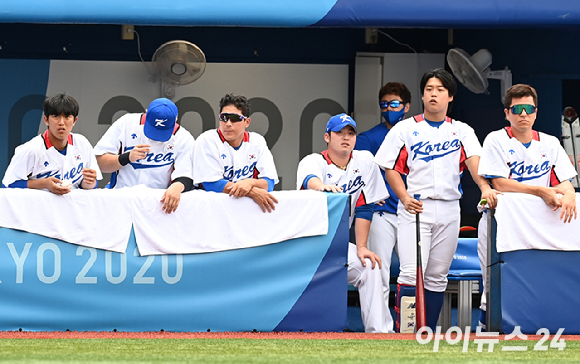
<point x="160" y="120"/>
<point x="337" y="122"/>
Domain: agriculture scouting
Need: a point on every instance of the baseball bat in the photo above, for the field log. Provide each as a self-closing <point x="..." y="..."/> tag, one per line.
<point x="419" y="286"/>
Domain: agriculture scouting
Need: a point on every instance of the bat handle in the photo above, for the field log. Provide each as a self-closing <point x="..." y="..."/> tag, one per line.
<point x="417" y="196"/>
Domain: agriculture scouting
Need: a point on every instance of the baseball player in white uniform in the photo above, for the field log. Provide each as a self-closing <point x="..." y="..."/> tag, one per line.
<point x="394" y="101"/>
<point x="56" y="160"/>
<point x="432" y="150"/>
<point x="342" y="169"/>
<point x="520" y="159"/>
<point x="150" y="149"/>
<point x="234" y="161"/>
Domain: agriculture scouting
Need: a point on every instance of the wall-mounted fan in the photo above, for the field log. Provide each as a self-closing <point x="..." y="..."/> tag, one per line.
<point x="177" y="62"/>
<point x="473" y="71"/>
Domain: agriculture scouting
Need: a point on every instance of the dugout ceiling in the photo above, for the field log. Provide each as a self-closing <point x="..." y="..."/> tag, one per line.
<point x="299" y="13"/>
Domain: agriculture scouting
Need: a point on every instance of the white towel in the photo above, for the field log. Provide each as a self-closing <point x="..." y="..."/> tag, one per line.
<point x="210" y="222"/>
<point x="526" y="222"/>
<point x="93" y="218"/>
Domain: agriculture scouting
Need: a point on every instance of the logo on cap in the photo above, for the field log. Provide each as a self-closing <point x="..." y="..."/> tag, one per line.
<point x="338" y="122"/>
<point x="160" y="120"/>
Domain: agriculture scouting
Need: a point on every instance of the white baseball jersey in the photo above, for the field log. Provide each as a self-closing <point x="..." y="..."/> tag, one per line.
<point x="215" y="159"/>
<point x="38" y="158"/>
<point x="543" y="163"/>
<point x="431" y="157"/>
<point x="165" y="161"/>
<point x="362" y="179"/>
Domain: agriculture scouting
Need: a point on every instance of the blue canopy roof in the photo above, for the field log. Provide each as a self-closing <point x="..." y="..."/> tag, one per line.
<point x="298" y="13"/>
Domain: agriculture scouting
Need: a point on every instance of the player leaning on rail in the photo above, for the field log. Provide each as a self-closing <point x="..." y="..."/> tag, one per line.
<point x="342" y="169"/>
<point x="57" y="160"/>
<point x="234" y="161"/>
<point x="150" y="149"/>
<point x="520" y="159"/>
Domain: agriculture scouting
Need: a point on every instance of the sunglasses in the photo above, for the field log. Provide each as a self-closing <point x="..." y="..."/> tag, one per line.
<point x="393" y="104"/>
<point x="233" y="117"/>
<point x="517" y="109"/>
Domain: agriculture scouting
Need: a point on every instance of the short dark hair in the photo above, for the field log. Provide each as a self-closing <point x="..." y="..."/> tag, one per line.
<point x="395" y="88"/>
<point x="240" y="102"/>
<point x="446" y="79"/>
<point x="518" y="91"/>
<point x="60" y="104"/>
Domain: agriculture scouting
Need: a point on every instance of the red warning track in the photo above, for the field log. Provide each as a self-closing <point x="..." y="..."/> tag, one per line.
<point x="227" y="335"/>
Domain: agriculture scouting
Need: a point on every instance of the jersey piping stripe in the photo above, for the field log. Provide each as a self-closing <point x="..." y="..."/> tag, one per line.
<point x="48" y="144"/>
<point x="462" y="160"/>
<point x="401" y="161"/>
<point x="175" y="127"/>
<point x="221" y="136"/>
<point x="246" y="137"/>
<point x="535" y="134"/>
<point x="327" y="158"/>
<point x="361" y="200"/>
<point x="420" y="117"/>
<point x="554" y="180"/>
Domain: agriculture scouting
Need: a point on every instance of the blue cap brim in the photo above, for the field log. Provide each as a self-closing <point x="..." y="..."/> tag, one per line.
<point x="157" y="134"/>
<point x="342" y="126"/>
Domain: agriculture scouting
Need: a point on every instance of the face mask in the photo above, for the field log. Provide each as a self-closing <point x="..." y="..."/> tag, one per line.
<point x="393" y="117"/>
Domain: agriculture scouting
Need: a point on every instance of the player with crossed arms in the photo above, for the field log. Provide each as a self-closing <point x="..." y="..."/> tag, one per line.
<point x="432" y="150"/>
<point x="342" y="169"/>
<point x="150" y="149"/>
<point x="520" y="159"/>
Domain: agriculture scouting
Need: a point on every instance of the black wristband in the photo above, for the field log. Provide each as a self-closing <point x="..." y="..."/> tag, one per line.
<point x="124" y="158"/>
<point x="186" y="181"/>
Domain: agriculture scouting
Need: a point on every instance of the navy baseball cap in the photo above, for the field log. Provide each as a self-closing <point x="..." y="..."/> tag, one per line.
<point x="337" y="122"/>
<point x="160" y="120"/>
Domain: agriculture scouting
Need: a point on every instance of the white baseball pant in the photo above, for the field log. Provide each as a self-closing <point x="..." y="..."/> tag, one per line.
<point x="382" y="240"/>
<point x="439" y="235"/>
<point x="369" y="283"/>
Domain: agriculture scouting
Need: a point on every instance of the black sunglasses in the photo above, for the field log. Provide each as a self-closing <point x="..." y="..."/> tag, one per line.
<point x="233" y="117"/>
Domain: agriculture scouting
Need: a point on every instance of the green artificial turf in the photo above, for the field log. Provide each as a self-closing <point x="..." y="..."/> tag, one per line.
<point x="269" y="351"/>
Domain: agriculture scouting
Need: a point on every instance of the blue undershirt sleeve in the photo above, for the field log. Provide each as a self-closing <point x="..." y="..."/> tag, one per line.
<point x="308" y="178"/>
<point x="23" y="183"/>
<point x="270" y="183"/>
<point x="217" y="186"/>
<point x="365" y="212"/>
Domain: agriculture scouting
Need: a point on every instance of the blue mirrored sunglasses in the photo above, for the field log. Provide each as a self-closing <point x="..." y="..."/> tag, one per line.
<point x="394" y="103"/>
<point x="233" y="117"/>
<point x="517" y="109"/>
